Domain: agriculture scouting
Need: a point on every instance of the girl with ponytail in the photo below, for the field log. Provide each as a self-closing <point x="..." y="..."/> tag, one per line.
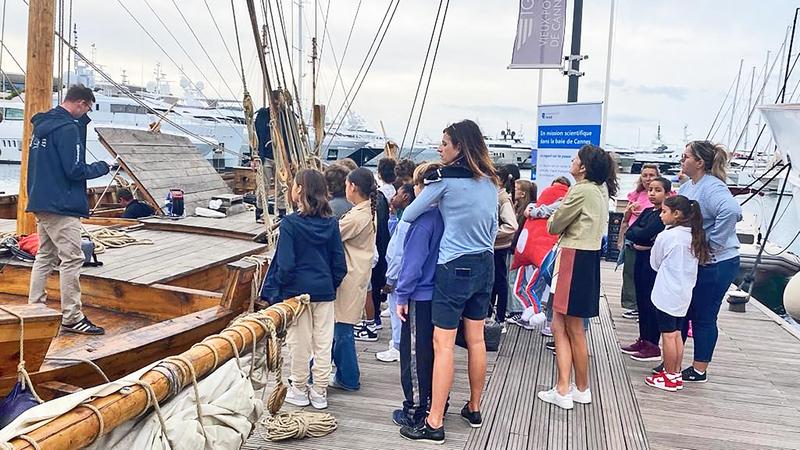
<point x="357" y="228"/>
<point x="675" y="256"/>
<point x="705" y="163"/>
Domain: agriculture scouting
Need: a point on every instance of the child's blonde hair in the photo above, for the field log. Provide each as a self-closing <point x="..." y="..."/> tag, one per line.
<point x="425" y="169"/>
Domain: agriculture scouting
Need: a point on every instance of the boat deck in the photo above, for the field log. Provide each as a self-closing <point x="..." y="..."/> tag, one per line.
<point x="751" y="400"/>
<point x="176" y="253"/>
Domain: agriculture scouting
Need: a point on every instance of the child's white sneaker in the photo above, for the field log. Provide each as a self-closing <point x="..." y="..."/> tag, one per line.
<point x="296" y="397"/>
<point x="390" y="355"/>
<point x="584" y="397"/>
<point x="552" y="396"/>
<point x="318" y="401"/>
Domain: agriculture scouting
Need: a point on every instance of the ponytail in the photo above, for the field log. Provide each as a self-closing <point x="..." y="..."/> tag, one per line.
<point x="364" y="181"/>
<point x="714" y="157"/>
<point x="692" y="217"/>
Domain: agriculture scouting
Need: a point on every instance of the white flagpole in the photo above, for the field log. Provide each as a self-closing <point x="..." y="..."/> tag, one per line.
<point x="607" y="86"/>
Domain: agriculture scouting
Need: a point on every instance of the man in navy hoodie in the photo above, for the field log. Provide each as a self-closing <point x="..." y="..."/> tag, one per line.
<point x="57" y="174"/>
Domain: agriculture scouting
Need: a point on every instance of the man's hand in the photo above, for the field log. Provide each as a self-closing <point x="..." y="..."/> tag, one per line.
<point x="387" y="289"/>
<point x="113" y="167"/>
<point x="402" y="312"/>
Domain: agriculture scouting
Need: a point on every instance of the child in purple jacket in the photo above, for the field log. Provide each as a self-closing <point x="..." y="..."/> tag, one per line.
<point x="413" y="294"/>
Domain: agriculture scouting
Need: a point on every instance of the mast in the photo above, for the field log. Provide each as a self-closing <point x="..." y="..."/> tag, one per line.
<point x="38" y="93"/>
<point x="749" y="104"/>
<point x="607" y="86"/>
<point x="733" y="109"/>
<point x="299" y="63"/>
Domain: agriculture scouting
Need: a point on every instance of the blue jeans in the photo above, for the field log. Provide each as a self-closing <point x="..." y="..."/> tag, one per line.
<point x="348" y="374"/>
<point x="713" y="280"/>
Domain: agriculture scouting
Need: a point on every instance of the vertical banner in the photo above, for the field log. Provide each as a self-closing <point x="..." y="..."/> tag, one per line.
<point x="540" y="35"/>
<point x="562" y="130"/>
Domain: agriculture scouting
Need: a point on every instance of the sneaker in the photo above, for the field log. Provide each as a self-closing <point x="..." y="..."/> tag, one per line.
<point x="366" y="333"/>
<point x="472" y="417"/>
<point x="390" y="355"/>
<point x="423" y="433"/>
<point x="85" y="326"/>
<point x="691" y="375"/>
<point x="630" y="314"/>
<point x="584" y="397"/>
<point x="661" y="381"/>
<point x="318" y="401"/>
<point x="385" y="313"/>
<point x="551" y="345"/>
<point x="522" y="322"/>
<point x="647" y="352"/>
<point x="552" y="396"/>
<point x="296" y="397"/>
<point x="547" y="331"/>
<point x="400" y="418"/>
<point x="513" y="318"/>
<point x="657" y="369"/>
<point x="632" y="348"/>
<point x="678" y="379"/>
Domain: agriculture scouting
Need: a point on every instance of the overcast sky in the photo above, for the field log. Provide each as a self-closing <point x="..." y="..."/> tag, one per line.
<point x="673" y="61"/>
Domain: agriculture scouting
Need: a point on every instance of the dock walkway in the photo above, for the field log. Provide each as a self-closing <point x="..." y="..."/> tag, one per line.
<point x="751" y="400"/>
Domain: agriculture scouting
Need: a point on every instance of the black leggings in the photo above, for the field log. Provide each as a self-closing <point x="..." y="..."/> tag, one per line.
<point x="500" y="289"/>
<point x="645" y="277"/>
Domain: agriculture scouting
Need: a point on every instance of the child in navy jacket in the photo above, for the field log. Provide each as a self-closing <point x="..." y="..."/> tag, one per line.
<point x="309" y="259"/>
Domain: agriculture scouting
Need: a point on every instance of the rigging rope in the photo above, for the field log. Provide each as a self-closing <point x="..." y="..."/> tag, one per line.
<point x="219" y="32"/>
<point x="344" y="54"/>
<point x="430" y="76"/>
<point x="21" y="372"/>
<point x="179" y="67"/>
<point x="422" y="75"/>
<point x="369" y="66"/>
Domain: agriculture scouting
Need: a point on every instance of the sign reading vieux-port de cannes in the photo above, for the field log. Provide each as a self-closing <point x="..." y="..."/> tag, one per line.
<point x="562" y="130"/>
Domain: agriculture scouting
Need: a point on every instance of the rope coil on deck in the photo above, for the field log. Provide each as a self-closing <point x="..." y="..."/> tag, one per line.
<point x="105" y="238"/>
<point x="297" y="425"/>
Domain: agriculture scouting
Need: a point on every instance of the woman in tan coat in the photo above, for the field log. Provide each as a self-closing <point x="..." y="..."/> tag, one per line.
<point x="357" y="228"/>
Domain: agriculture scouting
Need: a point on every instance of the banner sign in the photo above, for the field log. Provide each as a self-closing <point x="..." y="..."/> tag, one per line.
<point x="540" y="35"/>
<point x="562" y="130"/>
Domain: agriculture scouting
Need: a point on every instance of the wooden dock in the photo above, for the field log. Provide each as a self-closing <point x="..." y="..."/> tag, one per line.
<point x="751" y="399"/>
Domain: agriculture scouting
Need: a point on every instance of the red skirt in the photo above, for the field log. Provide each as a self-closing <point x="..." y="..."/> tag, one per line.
<point x="577" y="283"/>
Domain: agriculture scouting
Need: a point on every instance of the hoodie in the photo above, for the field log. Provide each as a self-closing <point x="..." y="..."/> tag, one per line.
<point x="309" y="259"/>
<point x="57" y="169"/>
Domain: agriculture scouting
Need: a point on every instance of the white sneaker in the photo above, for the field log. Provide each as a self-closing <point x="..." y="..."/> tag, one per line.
<point x="552" y="396"/>
<point x="385" y="313"/>
<point x="390" y="355"/>
<point x="584" y="397"/>
<point x="296" y="397"/>
<point x="318" y="401"/>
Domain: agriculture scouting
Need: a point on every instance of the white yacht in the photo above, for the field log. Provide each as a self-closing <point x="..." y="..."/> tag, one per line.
<point x="509" y="147"/>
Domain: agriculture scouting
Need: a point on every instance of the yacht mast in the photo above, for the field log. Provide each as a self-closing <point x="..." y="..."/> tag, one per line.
<point x="299" y="62"/>
<point x="38" y="93"/>
<point x="733" y="108"/>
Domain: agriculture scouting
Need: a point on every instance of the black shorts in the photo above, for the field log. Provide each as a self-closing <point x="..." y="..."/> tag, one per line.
<point x="463" y="289"/>
<point x="668" y="323"/>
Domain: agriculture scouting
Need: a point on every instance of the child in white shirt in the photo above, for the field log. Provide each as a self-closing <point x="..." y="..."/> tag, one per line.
<point x="675" y="255"/>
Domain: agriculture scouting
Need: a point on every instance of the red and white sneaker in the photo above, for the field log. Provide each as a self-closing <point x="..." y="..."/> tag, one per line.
<point x="678" y="379"/>
<point x="662" y="381"/>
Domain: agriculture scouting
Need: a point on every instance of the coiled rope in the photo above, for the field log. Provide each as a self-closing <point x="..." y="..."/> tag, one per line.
<point x="104" y="238"/>
<point x="297" y="425"/>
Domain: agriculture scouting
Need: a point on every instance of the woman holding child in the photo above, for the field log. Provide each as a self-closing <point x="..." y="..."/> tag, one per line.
<point x="581" y="220"/>
<point x="465" y="191"/>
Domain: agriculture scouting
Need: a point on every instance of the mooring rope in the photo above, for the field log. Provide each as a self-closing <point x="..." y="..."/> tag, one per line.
<point x="104" y="238"/>
<point x="21" y="372"/>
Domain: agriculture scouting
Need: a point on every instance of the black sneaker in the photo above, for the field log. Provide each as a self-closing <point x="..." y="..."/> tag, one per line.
<point x="691" y="375"/>
<point x="551" y="345"/>
<point x="658" y="369"/>
<point x="84" y="327"/>
<point x="423" y="433"/>
<point x="513" y="318"/>
<point x="400" y="418"/>
<point x="473" y="418"/>
<point x="365" y="333"/>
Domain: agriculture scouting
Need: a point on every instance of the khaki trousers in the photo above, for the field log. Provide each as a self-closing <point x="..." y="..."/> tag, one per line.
<point x="59" y="245"/>
<point x="311" y="336"/>
<point x="270" y="173"/>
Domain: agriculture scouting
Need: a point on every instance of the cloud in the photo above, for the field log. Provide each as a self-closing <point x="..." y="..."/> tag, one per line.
<point x="674" y="92"/>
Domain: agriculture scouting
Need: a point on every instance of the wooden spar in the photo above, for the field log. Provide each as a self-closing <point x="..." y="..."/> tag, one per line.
<point x="38" y="93"/>
<point x="278" y="143"/>
<point x="79" y="427"/>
